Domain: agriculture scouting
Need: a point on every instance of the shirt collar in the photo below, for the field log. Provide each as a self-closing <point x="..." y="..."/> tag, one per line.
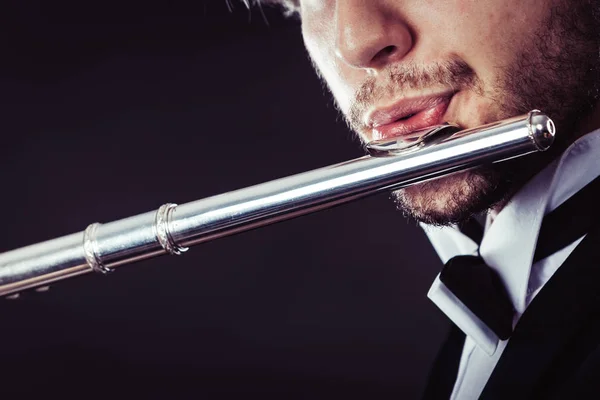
<point x="509" y="242"/>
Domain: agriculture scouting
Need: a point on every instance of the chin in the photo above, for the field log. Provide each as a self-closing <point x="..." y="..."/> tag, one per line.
<point x="455" y="198"/>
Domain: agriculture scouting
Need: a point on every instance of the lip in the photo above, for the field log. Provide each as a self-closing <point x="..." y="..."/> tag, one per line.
<point x="423" y="112"/>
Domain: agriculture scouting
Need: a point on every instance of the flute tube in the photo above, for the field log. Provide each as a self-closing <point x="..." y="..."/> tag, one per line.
<point x="171" y="229"/>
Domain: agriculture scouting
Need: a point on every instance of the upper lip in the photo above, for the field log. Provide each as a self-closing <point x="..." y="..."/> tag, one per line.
<point x="402" y="109"/>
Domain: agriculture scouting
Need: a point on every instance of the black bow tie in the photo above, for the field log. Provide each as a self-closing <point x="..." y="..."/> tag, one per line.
<point x="480" y="288"/>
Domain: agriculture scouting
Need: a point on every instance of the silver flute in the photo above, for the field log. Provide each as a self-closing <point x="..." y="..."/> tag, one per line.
<point x="392" y="164"/>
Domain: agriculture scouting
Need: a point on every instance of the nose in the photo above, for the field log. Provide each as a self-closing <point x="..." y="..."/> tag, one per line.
<point x="369" y="36"/>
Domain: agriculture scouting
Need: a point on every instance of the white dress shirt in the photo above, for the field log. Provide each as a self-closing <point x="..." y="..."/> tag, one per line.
<point x="508" y="246"/>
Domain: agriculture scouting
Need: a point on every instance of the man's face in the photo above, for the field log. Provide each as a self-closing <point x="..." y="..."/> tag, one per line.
<point x="395" y="66"/>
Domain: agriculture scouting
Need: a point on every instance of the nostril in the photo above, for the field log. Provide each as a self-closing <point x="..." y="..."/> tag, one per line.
<point x="385" y="53"/>
<point x="389" y="49"/>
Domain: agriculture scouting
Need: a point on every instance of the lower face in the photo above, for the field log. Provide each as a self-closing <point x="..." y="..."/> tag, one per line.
<point x="552" y="67"/>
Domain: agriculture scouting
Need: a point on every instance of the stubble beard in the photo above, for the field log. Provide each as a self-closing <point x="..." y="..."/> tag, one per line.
<point x="559" y="74"/>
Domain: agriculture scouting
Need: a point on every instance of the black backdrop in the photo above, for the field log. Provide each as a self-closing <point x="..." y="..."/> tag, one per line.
<point x="111" y="108"/>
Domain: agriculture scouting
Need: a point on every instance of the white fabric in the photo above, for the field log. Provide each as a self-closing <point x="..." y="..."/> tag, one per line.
<point x="508" y="247"/>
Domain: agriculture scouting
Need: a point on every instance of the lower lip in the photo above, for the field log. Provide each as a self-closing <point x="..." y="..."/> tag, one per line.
<point x="423" y="119"/>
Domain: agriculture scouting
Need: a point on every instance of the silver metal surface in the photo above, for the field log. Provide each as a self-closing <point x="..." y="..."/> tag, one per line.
<point x="163" y="233"/>
<point x="411" y="142"/>
<point x="90" y="249"/>
<point x="171" y="229"/>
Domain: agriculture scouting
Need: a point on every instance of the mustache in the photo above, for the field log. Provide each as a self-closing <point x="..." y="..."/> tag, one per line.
<point x="400" y="78"/>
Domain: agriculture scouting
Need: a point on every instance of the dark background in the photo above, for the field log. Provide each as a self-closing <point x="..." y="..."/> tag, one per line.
<point x="111" y="108"/>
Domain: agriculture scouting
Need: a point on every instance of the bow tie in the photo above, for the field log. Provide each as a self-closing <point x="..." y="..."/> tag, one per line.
<point x="480" y="288"/>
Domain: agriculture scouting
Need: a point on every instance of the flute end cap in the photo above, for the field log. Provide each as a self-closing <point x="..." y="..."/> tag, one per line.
<point x="542" y="130"/>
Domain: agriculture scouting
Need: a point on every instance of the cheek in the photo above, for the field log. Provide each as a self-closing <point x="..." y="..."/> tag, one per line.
<point x="340" y="79"/>
<point x="477" y="30"/>
<point x="490" y="34"/>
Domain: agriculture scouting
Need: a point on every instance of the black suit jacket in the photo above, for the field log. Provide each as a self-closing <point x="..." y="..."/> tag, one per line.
<point x="554" y="352"/>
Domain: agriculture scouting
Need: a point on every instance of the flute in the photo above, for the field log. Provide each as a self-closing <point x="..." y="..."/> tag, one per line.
<point x="392" y="164"/>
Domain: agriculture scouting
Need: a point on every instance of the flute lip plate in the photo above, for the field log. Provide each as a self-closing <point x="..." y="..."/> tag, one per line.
<point x="407" y="143"/>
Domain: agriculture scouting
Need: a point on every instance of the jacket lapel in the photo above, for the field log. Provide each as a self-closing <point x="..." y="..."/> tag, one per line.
<point x="556" y="332"/>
